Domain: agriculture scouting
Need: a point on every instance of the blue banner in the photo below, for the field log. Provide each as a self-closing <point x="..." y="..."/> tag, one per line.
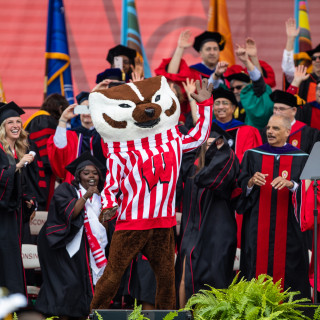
<point x="58" y="71"/>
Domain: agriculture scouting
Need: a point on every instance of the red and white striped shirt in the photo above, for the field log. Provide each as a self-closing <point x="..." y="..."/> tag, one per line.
<point x="146" y="172"/>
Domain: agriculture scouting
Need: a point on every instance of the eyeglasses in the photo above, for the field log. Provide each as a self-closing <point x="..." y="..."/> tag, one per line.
<point x="280" y="108"/>
<point x="314" y="58"/>
<point x="239" y="87"/>
<point x="224" y="103"/>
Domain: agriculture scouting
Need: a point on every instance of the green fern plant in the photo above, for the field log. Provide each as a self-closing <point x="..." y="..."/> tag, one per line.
<point x="316" y="315"/>
<point x="98" y="315"/>
<point x="136" y="313"/>
<point x="251" y="300"/>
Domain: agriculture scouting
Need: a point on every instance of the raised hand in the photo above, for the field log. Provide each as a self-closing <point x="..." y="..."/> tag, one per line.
<point x="68" y="113"/>
<point x="204" y="92"/>
<point x="221" y="68"/>
<point x="300" y="74"/>
<point x="137" y="70"/>
<point x="251" y="47"/>
<point x="185" y="39"/>
<point x="291" y="29"/>
<point x="103" y="85"/>
<point x="242" y="54"/>
<point x="189" y="86"/>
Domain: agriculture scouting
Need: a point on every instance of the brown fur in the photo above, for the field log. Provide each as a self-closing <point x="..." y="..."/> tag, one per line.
<point x="148" y="91"/>
<point x="139" y="114"/>
<point x="172" y="109"/>
<point x="158" y="246"/>
<point x="113" y="123"/>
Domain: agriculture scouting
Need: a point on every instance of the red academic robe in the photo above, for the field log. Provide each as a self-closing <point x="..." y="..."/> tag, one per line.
<point x="304" y="212"/>
<point x="272" y="242"/>
<point x="60" y="158"/>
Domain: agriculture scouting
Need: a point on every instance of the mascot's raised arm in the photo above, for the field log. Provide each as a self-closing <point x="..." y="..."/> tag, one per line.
<point x="143" y="146"/>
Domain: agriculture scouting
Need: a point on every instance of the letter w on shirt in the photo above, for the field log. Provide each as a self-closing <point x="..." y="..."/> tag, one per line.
<point x="157" y="169"/>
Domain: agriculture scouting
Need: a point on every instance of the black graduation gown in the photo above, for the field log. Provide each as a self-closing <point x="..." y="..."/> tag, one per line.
<point x="40" y="128"/>
<point x="310" y="114"/>
<point x="272" y="242"/>
<point x="11" y="218"/>
<point x="209" y="231"/>
<point x="67" y="286"/>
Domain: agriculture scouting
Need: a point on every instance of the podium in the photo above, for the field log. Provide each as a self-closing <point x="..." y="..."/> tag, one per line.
<point x="109" y="314"/>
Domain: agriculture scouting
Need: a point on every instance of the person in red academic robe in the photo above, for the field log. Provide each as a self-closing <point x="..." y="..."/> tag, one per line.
<point x="272" y="242"/>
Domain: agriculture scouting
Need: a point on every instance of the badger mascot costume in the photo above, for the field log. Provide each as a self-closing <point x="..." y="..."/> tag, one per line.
<point x="143" y="146"/>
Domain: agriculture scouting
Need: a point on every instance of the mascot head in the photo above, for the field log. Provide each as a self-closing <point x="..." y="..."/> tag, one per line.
<point x="134" y="110"/>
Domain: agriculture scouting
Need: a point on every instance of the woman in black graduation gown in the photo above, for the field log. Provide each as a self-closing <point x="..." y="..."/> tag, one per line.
<point x="208" y="228"/>
<point x="68" y="268"/>
<point x="13" y="146"/>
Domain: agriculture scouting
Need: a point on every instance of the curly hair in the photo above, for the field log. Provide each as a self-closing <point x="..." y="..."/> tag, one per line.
<point x="76" y="181"/>
<point x="21" y="144"/>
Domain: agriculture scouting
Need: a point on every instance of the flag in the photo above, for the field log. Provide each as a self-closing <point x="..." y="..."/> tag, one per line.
<point x="303" y="40"/>
<point x="218" y="21"/>
<point x="2" y="95"/>
<point x="130" y="33"/>
<point x="58" y="72"/>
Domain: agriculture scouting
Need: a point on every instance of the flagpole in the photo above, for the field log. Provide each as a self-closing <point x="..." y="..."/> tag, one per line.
<point x="45" y="89"/>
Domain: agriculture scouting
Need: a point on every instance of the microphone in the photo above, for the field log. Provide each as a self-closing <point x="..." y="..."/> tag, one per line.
<point x="32" y="153"/>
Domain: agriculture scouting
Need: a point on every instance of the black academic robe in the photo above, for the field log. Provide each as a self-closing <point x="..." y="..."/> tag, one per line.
<point x="11" y="219"/>
<point x="67" y="287"/>
<point x="40" y="127"/>
<point x="301" y="136"/>
<point x="272" y="242"/>
<point x="208" y="227"/>
<point x="310" y="114"/>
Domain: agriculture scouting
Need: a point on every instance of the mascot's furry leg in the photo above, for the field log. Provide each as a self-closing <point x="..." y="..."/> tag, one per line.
<point x="160" y="252"/>
<point x="157" y="245"/>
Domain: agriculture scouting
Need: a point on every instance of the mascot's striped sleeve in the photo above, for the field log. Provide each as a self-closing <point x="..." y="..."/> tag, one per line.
<point x="146" y="171"/>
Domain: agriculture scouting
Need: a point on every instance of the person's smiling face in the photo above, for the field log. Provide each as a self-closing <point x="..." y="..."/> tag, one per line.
<point x="13" y="127"/>
<point x="89" y="177"/>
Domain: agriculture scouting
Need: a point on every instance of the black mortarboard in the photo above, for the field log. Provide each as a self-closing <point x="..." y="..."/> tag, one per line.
<point x="8" y="110"/>
<point x="121" y="50"/>
<point x="82" y="96"/>
<point x="223" y="93"/>
<point x="279" y="96"/>
<point x="313" y="51"/>
<point x="207" y="36"/>
<point x="86" y="159"/>
<point x="112" y="73"/>
<point x="217" y="131"/>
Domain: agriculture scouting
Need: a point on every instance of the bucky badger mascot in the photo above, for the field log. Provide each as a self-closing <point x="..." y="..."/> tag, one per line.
<point x="138" y="123"/>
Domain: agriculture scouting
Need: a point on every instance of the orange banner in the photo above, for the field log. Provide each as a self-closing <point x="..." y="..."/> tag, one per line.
<point x="218" y="21"/>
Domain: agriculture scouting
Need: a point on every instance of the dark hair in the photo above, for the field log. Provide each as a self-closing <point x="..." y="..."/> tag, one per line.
<point x="55" y="104"/>
<point x="76" y="181"/>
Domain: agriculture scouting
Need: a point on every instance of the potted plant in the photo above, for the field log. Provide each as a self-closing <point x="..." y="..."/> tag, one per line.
<point x="256" y="299"/>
